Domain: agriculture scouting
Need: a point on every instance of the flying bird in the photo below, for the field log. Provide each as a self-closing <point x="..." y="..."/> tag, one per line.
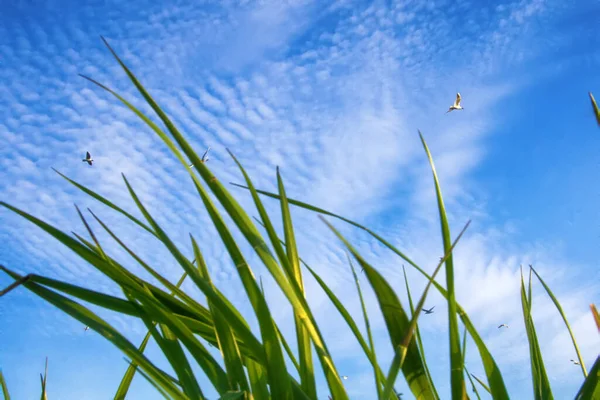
<point x="430" y="311"/>
<point x="204" y="158"/>
<point x="503" y="325"/>
<point x="88" y="158"/>
<point x="344" y="377"/>
<point x="456" y="105"/>
<point x="575" y="362"/>
<point x="86" y="328"/>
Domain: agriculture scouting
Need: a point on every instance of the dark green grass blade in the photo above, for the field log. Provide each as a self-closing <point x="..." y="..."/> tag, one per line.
<point x="226" y="339"/>
<point x="456" y="373"/>
<point x="541" y="384"/>
<point x="397" y="323"/>
<point x="88" y="318"/>
<point x="482" y="383"/>
<point x="307" y="375"/>
<point x="564" y="317"/>
<point x="4" y="387"/>
<point x="258" y="379"/>
<point x="595" y="108"/>
<point x="402" y="348"/>
<point x="492" y="371"/>
<point x="130" y="373"/>
<point x="418" y="334"/>
<point x="590" y="390"/>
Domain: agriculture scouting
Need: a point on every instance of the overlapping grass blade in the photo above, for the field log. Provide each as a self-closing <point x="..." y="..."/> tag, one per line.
<point x="457" y="376"/>
<point x="564" y="317"/>
<point x="44" y="380"/>
<point x="595" y="108"/>
<point x="418" y="334"/>
<point x="226" y="339"/>
<point x="492" y="371"/>
<point x="4" y="387"/>
<point x="541" y="384"/>
<point x="258" y="379"/>
<point x="473" y="387"/>
<point x="130" y="373"/>
<point x="482" y="383"/>
<point x="397" y="323"/>
<point x="307" y="374"/>
<point x="590" y="390"/>
<point x="402" y="348"/>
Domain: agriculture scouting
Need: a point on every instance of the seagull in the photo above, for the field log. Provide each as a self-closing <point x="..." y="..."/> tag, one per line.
<point x="88" y="158"/>
<point x="503" y="325"/>
<point x="344" y="377"/>
<point x="575" y="362"/>
<point x="456" y="105"/>
<point x="86" y="328"/>
<point x="204" y="158"/>
<point x="430" y="311"/>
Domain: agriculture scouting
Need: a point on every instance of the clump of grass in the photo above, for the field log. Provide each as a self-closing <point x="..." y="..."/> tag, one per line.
<point x="255" y="367"/>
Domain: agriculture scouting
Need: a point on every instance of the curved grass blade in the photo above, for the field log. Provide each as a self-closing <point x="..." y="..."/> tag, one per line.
<point x="595" y="108"/>
<point x="307" y="374"/>
<point x="596" y="316"/>
<point x="456" y="373"/>
<point x="564" y="317"/>
<point x="492" y="371"/>
<point x="4" y="387"/>
<point x="483" y="385"/>
<point x="396" y="321"/>
<point x="402" y="348"/>
<point x="591" y="386"/>
<point x="541" y="384"/>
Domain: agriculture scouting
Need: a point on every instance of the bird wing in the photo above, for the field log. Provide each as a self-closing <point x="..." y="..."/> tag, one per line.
<point x="457" y="102"/>
<point x="205" y="153"/>
<point x="88" y="155"/>
<point x="431" y="309"/>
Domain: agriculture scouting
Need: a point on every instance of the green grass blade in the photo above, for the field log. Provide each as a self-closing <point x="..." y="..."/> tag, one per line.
<point x="456" y="373"/>
<point x="130" y="373"/>
<point x="151" y="381"/>
<point x="402" y="348"/>
<point x="596" y="316"/>
<point x="541" y="384"/>
<point x="492" y="371"/>
<point x="590" y="390"/>
<point x="4" y="387"/>
<point x="258" y="379"/>
<point x="226" y="339"/>
<point x="595" y="108"/>
<point x="564" y="317"/>
<point x="483" y="385"/>
<point x="396" y="321"/>
<point x="473" y="387"/>
<point x="43" y="379"/>
<point x="418" y="334"/>
<point x="307" y="375"/>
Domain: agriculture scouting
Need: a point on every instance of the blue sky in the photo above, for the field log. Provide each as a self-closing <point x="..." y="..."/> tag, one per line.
<point x="333" y="93"/>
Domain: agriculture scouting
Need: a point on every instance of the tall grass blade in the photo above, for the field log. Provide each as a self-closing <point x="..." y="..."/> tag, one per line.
<point x="564" y="317"/>
<point x="541" y="384"/>
<point x="258" y="379"/>
<point x="492" y="371"/>
<point x="4" y="387"/>
<point x="473" y="387"/>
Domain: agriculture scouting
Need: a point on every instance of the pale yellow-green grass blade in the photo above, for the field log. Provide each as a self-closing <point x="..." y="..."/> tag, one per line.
<point x="492" y="371"/>
<point x="596" y="316"/>
<point x="590" y="390"/>
<point x="4" y="387"/>
<point x="377" y="372"/>
<point x="482" y="383"/>
<point x="541" y="384"/>
<point x="106" y="202"/>
<point x="418" y="334"/>
<point x="226" y="339"/>
<point x="44" y="380"/>
<point x="402" y="348"/>
<point x="307" y="374"/>
<point x="595" y="108"/>
<point x="130" y="373"/>
<point x="564" y="317"/>
<point x="396" y="321"/>
<point x="289" y="287"/>
<point x="88" y="318"/>
<point x="456" y="374"/>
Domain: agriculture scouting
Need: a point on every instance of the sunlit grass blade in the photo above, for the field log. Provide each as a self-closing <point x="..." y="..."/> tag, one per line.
<point x="258" y="379"/>
<point x="492" y="371"/>
<point x="595" y="108"/>
<point x="4" y="387"/>
<point x="44" y="380"/>
<point x="596" y="316"/>
<point x="564" y="317"/>
<point x="397" y="323"/>
<point x="402" y="348"/>
<point x="226" y="339"/>
<point x="88" y="318"/>
<point x="307" y="375"/>
<point x="482" y="383"/>
<point x="457" y="376"/>
<point x="590" y="390"/>
<point x="541" y="385"/>
<point x="418" y="334"/>
<point x="130" y="373"/>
